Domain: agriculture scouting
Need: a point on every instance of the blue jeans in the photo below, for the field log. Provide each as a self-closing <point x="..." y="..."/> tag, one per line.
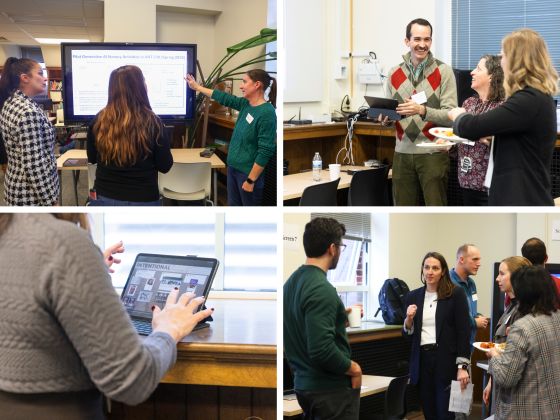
<point x="236" y="195"/>
<point x="434" y="394"/>
<point x="104" y="201"/>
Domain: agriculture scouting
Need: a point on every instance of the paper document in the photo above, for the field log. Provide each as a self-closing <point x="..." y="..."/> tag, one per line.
<point x="490" y="170"/>
<point x="460" y="402"/>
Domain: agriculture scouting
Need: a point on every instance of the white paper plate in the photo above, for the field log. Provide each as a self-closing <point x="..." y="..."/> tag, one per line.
<point x="453" y="138"/>
<point x="477" y="345"/>
<point x="433" y="146"/>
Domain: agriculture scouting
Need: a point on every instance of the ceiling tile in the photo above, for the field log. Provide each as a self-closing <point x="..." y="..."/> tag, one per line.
<point x="94" y="10"/>
<point x="56" y="8"/>
<point x="24" y="41"/>
<point x="10" y="27"/>
<point x="38" y="28"/>
<point x="43" y="35"/>
<point x="70" y="30"/>
<point x="95" y="22"/>
<point x="96" y="31"/>
<point x="20" y="6"/>
<point x="4" y="19"/>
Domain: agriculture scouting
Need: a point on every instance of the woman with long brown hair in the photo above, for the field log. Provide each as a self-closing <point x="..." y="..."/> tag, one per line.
<point x="129" y="144"/>
<point x="31" y="175"/>
<point x="437" y="322"/>
<point x="66" y="337"/>
<point x="524" y="126"/>
<point x="254" y="136"/>
<point x="507" y="267"/>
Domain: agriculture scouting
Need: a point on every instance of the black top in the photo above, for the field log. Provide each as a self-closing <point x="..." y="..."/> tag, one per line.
<point x="137" y="183"/>
<point x="453" y="333"/>
<point x="525" y="133"/>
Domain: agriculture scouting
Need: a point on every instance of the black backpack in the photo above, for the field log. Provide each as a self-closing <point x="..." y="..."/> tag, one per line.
<point x="392" y="298"/>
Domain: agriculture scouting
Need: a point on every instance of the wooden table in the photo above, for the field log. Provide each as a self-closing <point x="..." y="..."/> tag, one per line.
<point x="375" y="385"/>
<point x="239" y="348"/>
<point x="179" y="155"/>
<point x="294" y="185"/>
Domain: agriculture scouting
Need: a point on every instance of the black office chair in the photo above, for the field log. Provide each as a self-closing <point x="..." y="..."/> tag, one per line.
<point x="322" y="194"/>
<point x="369" y="187"/>
<point x="394" y="406"/>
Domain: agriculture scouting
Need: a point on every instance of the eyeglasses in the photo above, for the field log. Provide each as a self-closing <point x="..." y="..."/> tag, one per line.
<point x="500" y="56"/>
<point x="342" y="247"/>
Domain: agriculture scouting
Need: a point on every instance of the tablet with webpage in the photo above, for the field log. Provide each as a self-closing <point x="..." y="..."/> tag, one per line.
<point x="154" y="276"/>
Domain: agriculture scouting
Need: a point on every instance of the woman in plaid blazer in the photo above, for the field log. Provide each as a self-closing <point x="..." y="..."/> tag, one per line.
<point x="528" y="372"/>
<point x="31" y="176"/>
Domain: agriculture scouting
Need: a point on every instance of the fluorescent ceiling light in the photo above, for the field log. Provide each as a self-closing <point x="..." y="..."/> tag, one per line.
<point x="45" y="20"/>
<point x="58" y="41"/>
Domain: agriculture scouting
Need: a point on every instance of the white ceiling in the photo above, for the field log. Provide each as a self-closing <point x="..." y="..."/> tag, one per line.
<point x="71" y="19"/>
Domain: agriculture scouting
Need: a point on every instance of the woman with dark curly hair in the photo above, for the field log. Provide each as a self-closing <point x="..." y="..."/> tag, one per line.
<point x="437" y="323"/>
<point x="488" y="81"/>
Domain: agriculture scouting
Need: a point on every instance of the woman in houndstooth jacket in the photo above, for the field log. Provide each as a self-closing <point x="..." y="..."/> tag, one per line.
<point x="528" y="372"/>
<point x="31" y="176"/>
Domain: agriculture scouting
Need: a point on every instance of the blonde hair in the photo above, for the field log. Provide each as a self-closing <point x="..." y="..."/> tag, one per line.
<point x="515" y="263"/>
<point x="528" y="63"/>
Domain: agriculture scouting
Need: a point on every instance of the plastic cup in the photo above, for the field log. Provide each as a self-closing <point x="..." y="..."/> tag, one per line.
<point x="355" y="317"/>
<point x="334" y="170"/>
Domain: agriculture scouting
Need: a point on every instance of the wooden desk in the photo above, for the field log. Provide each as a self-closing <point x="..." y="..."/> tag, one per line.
<point x="179" y="155"/>
<point x="239" y="348"/>
<point x="294" y="185"/>
<point x="375" y="385"/>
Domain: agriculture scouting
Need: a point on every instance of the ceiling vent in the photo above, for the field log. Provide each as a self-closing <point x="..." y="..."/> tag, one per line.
<point x="2" y="39"/>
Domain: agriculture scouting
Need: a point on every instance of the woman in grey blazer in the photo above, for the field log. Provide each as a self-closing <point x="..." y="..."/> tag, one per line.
<point x="528" y="372"/>
<point x="65" y="337"/>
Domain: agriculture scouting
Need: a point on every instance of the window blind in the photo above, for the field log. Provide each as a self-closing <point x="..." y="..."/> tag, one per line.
<point x="478" y="27"/>
<point x="358" y="225"/>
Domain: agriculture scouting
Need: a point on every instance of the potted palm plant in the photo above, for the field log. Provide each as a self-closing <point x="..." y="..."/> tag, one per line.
<point x="266" y="35"/>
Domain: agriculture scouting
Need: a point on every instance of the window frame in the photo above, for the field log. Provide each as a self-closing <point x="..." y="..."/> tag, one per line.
<point x="218" y="292"/>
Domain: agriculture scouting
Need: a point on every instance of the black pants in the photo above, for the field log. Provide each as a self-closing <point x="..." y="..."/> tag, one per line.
<point x="434" y="394"/>
<point x="331" y="404"/>
<point x="474" y="197"/>
<point x="81" y="405"/>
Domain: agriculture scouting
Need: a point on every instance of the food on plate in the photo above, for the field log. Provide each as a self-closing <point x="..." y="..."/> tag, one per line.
<point x="501" y="346"/>
<point x="487" y="345"/>
<point x="449" y="133"/>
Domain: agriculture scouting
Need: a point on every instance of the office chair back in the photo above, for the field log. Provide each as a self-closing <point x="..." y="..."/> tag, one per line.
<point x="322" y="194"/>
<point x="187" y="181"/>
<point x="369" y="187"/>
<point x="395" y="403"/>
<point x="92" y="170"/>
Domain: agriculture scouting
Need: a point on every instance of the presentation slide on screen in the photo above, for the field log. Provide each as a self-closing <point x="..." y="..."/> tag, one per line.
<point x="163" y="71"/>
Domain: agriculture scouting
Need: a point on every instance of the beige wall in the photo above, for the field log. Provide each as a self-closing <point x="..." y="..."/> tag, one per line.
<point x="293" y="259"/>
<point x="239" y="21"/>
<point x="51" y="55"/>
<point x="189" y="29"/>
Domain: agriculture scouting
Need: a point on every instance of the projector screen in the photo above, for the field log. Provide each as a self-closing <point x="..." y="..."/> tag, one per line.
<point x="87" y="69"/>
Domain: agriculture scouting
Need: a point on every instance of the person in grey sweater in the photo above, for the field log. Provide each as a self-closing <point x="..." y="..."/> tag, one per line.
<point x="65" y="337"/>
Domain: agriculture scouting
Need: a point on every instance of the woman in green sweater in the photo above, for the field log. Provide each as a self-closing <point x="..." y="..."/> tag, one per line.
<point x="254" y="136"/>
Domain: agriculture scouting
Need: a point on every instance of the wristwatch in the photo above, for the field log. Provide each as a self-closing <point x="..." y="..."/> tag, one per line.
<point x="464" y="366"/>
<point x="250" y="181"/>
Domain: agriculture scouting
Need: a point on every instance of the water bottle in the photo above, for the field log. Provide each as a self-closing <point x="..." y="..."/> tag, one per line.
<point x="317" y="166"/>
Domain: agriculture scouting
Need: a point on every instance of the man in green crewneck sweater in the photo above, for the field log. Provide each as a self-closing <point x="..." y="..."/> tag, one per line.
<point x="327" y="383"/>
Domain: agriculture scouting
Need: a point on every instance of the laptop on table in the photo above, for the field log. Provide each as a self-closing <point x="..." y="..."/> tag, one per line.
<point x="154" y="276"/>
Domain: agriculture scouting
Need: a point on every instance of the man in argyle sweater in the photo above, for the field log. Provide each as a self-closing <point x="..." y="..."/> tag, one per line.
<point x="413" y="167"/>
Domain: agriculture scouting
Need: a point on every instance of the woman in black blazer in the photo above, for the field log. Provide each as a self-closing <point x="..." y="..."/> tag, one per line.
<point x="437" y="323"/>
<point x="524" y="127"/>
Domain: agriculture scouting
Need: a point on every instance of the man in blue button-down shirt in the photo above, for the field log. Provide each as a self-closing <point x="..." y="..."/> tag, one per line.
<point x="468" y="263"/>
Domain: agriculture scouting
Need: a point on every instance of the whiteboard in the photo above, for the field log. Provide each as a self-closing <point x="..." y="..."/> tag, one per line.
<point x="303" y="44"/>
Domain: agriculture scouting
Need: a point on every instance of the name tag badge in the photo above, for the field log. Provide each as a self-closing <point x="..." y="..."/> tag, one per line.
<point x="469" y="143"/>
<point x="466" y="165"/>
<point x="474" y="297"/>
<point x="249" y="118"/>
<point x="419" y="98"/>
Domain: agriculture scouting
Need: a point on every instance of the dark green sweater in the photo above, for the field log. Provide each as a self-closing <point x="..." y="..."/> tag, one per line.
<point x="315" y="338"/>
<point x="251" y="142"/>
